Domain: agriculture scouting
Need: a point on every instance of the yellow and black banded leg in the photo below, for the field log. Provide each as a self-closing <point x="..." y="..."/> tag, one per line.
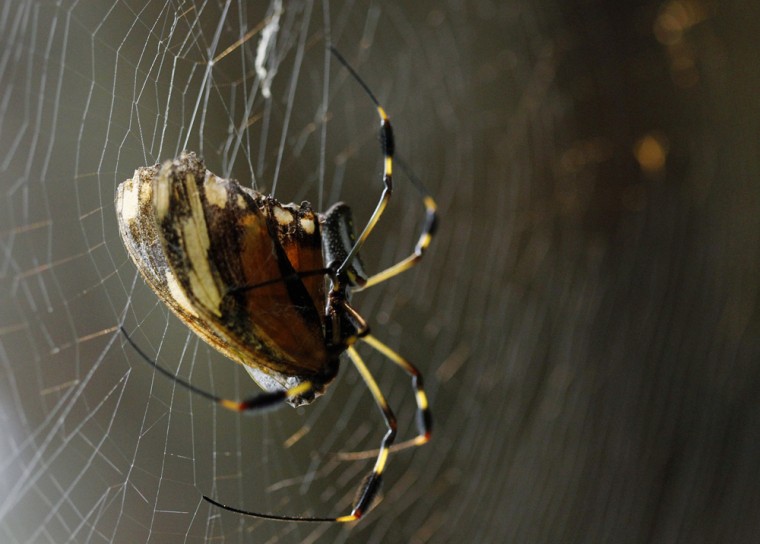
<point x="371" y="485"/>
<point x="387" y="145"/>
<point x="428" y="231"/>
<point x="251" y="404"/>
<point x="424" y="418"/>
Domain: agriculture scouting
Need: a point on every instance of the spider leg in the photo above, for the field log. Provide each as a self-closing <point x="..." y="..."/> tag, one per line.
<point x="371" y="484"/>
<point x="428" y="231"/>
<point x="251" y="404"/>
<point x="424" y="418"/>
<point x="387" y="145"/>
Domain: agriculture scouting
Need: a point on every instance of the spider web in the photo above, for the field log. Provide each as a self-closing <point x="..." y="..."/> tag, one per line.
<point x="96" y="447"/>
<point x="587" y="321"/>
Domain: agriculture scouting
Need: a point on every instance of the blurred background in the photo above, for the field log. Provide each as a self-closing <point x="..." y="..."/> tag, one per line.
<point x="587" y="318"/>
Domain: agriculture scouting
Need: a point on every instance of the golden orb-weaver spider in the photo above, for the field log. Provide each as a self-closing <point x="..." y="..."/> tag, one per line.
<point x="248" y="275"/>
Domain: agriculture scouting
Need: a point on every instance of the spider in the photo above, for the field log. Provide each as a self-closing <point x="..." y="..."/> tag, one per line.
<point x="268" y="285"/>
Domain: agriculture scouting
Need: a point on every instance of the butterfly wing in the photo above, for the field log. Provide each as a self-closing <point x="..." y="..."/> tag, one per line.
<point x="226" y="260"/>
